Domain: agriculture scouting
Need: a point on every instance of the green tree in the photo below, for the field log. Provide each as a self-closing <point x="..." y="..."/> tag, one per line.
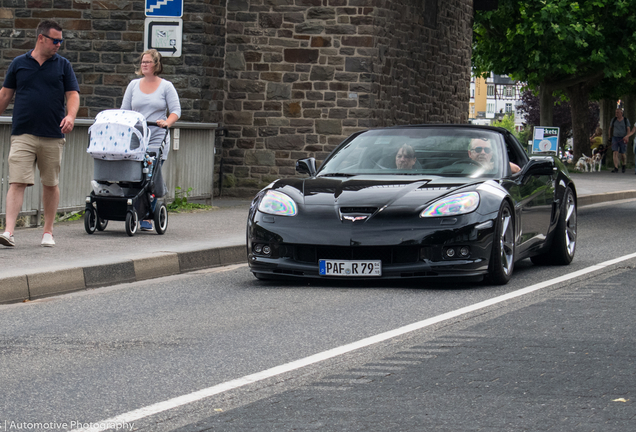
<point x="507" y="122"/>
<point x="558" y="46"/>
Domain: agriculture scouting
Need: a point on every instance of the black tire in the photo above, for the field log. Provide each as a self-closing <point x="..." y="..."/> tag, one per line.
<point x="502" y="258"/>
<point x="90" y="220"/>
<point x="161" y="219"/>
<point x="132" y="222"/>
<point x="101" y="224"/>
<point x="563" y="245"/>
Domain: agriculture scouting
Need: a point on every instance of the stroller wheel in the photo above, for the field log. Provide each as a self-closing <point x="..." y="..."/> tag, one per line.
<point x="90" y="220"/>
<point x="101" y="224"/>
<point x="132" y="221"/>
<point x="161" y="219"/>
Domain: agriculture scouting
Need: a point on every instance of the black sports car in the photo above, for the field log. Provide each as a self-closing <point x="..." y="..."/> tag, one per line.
<point x="413" y="202"/>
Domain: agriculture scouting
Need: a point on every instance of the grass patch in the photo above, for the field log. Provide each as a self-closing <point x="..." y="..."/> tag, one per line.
<point x="181" y="204"/>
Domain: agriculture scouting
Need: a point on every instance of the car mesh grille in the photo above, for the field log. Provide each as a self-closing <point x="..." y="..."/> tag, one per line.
<point x="387" y="254"/>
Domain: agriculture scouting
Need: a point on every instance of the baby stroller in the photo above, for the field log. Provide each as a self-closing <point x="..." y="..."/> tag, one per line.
<point x="127" y="176"/>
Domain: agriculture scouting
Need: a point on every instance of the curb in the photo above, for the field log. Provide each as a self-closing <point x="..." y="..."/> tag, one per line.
<point x="38" y="285"/>
<point x="586" y="200"/>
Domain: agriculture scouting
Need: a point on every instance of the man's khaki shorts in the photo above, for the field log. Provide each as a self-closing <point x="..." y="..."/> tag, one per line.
<point x="29" y="150"/>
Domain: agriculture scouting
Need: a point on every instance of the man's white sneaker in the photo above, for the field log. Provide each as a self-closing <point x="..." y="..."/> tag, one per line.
<point x="7" y="239"/>
<point x="47" y="240"/>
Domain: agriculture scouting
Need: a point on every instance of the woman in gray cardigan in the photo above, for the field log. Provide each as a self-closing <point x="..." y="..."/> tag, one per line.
<point x="157" y="100"/>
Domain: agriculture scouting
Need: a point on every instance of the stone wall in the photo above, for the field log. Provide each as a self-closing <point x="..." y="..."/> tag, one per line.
<point x="287" y="78"/>
<point x="103" y="40"/>
<point x="304" y="74"/>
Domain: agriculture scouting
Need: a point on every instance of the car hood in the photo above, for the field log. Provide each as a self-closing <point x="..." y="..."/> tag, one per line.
<point x="367" y="191"/>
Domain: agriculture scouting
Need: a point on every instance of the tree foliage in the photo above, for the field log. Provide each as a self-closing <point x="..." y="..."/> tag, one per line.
<point x="562" y="116"/>
<point x="507" y="122"/>
<point x="556" y="42"/>
<point x="560" y="45"/>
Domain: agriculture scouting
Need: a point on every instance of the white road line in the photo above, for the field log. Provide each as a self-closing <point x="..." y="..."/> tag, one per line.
<point x="147" y="411"/>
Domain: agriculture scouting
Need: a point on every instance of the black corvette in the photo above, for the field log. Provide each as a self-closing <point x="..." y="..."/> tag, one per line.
<point x="416" y="202"/>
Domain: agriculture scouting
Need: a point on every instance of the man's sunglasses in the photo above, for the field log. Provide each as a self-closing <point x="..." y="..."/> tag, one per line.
<point x="55" y="41"/>
<point x="479" y="149"/>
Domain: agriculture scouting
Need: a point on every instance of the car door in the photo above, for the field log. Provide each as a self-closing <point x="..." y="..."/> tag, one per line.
<point x="533" y="190"/>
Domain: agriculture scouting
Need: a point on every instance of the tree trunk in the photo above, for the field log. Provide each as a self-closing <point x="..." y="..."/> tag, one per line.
<point x="579" y="102"/>
<point x="546" y="106"/>
<point x="608" y="110"/>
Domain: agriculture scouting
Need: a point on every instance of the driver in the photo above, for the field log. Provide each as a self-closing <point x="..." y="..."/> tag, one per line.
<point x="480" y="150"/>
<point x="405" y="158"/>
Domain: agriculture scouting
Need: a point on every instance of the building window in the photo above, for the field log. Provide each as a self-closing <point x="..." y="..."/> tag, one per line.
<point x="508" y="107"/>
<point x="472" y="93"/>
<point x="510" y="91"/>
<point x="491" y="90"/>
<point x="490" y="108"/>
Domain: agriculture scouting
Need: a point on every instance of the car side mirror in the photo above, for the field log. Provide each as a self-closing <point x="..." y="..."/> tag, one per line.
<point x="306" y="166"/>
<point x="542" y="165"/>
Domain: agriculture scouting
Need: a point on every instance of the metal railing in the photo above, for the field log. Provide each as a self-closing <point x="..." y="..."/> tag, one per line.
<point x="190" y="164"/>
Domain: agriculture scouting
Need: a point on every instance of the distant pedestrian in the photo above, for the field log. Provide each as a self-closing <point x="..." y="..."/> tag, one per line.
<point x="619" y="132"/>
<point x="596" y="139"/>
<point x="40" y="80"/>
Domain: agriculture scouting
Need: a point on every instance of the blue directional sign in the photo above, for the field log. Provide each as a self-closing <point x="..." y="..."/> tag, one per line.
<point x="164" y="8"/>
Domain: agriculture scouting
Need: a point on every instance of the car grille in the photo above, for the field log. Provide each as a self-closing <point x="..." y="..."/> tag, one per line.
<point x="386" y="254"/>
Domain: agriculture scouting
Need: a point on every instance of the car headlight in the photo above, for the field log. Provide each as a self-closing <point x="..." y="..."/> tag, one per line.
<point x="453" y="205"/>
<point x="277" y="203"/>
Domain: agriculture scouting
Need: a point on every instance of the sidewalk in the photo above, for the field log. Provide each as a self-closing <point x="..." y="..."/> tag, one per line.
<point x="192" y="241"/>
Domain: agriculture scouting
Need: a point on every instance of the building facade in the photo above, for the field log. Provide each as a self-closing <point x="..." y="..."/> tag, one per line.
<point x="494" y="97"/>
<point x="286" y="79"/>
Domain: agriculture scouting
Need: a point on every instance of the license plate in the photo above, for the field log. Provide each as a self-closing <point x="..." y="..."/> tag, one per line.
<point x="350" y="268"/>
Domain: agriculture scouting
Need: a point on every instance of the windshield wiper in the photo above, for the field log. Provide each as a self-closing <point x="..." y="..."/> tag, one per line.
<point x="337" y="175"/>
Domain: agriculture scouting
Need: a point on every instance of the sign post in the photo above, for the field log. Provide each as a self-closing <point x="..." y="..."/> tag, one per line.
<point x="163" y="29"/>
<point x="546" y="139"/>
<point x="164" y="8"/>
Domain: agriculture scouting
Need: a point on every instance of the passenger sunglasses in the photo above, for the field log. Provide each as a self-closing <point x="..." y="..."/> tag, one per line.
<point x="479" y="149"/>
<point x="55" y="41"/>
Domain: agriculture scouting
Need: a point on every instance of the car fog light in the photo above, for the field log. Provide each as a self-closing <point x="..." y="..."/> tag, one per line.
<point x="450" y="252"/>
<point x="258" y="248"/>
<point x="267" y="250"/>
<point x="464" y="251"/>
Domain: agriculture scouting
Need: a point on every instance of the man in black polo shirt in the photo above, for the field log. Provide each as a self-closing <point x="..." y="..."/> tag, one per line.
<point x="40" y="80"/>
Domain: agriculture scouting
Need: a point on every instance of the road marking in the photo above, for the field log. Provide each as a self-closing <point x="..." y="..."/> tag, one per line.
<point x="147" y="411"/>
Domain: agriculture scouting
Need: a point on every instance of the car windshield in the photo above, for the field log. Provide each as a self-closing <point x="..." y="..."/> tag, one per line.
<point x="446" y="152"/>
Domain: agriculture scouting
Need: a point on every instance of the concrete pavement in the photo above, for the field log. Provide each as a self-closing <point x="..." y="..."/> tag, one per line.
<point x="192" y="241"/>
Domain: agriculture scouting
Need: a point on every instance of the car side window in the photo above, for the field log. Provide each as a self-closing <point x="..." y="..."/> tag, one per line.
<point x="515" y="154"/>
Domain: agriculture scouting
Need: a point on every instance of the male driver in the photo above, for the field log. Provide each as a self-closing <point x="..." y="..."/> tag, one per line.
<point x="480" y="151"/>
<point x="618" y="135"/>
<point x="40" y="81"/>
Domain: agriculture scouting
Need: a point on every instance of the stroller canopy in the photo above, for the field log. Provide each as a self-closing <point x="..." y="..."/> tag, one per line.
<point x="118" y="135"/>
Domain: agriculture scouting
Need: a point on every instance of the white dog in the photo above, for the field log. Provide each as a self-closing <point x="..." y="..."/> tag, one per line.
<point x="597" y="159"/>
<point x="584" y="162"/>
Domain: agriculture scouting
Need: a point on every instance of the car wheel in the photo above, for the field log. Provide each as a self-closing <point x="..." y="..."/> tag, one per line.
<point x="132" y="221"/>
<point x="90" y="220"/>
<point x="563" y="246"/>
<point x="502" y="259"/>
<point x="101" y="224"/>
<point x="161" y="219"/>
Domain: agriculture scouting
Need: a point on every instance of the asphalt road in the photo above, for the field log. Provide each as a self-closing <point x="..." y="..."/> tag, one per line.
<point x="85" y="357"/>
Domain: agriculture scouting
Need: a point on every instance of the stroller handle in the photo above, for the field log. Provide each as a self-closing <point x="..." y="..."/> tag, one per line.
<point x="151" y="123"/>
